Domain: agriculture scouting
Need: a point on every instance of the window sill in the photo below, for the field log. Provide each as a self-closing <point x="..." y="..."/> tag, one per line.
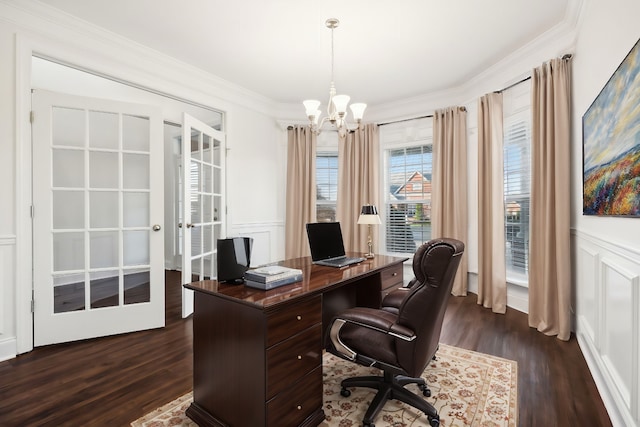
<point x="518" y="281"/>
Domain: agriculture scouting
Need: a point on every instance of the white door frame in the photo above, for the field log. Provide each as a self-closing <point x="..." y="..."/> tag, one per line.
<point x="45" y="43"/>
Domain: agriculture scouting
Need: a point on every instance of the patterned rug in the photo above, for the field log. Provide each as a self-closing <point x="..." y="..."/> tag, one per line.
<point x="467" y="389"/>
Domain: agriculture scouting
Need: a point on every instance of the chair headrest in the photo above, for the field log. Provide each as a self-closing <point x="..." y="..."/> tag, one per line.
<point x="431" y="260"/>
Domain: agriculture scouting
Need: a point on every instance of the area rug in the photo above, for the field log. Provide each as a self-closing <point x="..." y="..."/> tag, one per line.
<point x="468" y="389"/>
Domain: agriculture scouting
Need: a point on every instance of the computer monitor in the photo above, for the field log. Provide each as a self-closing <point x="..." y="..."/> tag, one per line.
<point x="234" y="258"/>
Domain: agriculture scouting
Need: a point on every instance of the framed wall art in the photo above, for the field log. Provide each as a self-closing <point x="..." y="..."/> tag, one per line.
<point x="611" y="144"/>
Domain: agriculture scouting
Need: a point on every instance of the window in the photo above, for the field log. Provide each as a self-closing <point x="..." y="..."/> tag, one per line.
<point x="326" y="186"/>
<point x="517" y="193"/>
<point x="408" y="197"/>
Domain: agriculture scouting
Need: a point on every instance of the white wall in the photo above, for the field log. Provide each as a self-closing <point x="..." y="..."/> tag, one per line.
<point x="606" y="250"/>
<point x="8" y="242"/>
<point x="255" y="157"/>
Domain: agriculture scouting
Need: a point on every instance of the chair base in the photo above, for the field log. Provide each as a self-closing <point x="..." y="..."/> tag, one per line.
<point x="390" y="387"/>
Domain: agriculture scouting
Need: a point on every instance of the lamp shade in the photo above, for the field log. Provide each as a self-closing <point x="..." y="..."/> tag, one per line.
<point x="311" y="106"/>
<point x="369" y="210"/>
<point x="340" y="102"/>
<point x="358" y="110"/>
<point x="369" y="215"/>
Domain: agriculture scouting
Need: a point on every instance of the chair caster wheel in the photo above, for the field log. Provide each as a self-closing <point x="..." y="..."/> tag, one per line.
<point x="368" y="425"/>
<point x="425" y="390"/>
<point x="434" y="422"/>
<point x="345" y="392"/>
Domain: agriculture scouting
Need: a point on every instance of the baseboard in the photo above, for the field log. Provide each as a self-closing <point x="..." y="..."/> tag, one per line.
<point x="8" y="349"/>
<point x="517" y="296"/>
<point x="617" y="412"/>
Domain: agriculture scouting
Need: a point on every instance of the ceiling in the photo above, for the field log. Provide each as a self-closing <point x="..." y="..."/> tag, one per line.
<point x="384" y="51"/>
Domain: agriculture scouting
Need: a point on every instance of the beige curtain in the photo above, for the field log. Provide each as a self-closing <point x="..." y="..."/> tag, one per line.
<point x="358" y="184"/>
<point x="301" y="189"/>
<point x="549" y="245"/>
<point x="449" y="183"/>
<point x="492" y="281"/>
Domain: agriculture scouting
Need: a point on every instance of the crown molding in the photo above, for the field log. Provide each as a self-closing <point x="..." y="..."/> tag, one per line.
<point x="555" y="42"/>
<point x="123" y="59"/>
<point x="114" y="52"/>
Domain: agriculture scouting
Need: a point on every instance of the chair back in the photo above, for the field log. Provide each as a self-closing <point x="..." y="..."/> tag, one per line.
<point x="435" y="264"/>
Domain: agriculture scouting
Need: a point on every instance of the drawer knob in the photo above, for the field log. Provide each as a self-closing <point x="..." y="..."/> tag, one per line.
<point x="299" y="317"/>
<point x="298" y="407"/>
<point x="394" y="274"/>
<point x="299" y="357"/>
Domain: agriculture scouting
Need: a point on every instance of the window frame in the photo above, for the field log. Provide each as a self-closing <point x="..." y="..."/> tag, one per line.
<point x="402" y="135"/>
<point x="517" y="108"/>
<point x="327" y="152"/>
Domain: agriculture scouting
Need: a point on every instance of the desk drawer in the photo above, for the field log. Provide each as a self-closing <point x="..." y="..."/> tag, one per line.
<point x="291" y="319"/>
<point x="291" y="359"/>
<point x="391" y="277"/>
<point x="297" y="402"/>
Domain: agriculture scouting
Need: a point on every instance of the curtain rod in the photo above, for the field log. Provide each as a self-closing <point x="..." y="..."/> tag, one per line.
<point x="564" y="57"/>
<point x="406" y="120"/>
<point x="513" y="84"/>
<point x="462" y="108"/>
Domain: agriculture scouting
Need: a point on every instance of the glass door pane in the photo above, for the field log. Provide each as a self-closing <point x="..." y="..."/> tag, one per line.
<point x="202" y="188"/>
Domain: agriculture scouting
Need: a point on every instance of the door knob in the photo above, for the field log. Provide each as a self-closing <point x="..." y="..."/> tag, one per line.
<point x="179" y="225"/>
<point x="156" y="227"/>
<point x="189" y="225"/>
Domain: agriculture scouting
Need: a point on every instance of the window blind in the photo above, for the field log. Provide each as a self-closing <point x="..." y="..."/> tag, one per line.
<point x="326" y="186"/>
<point x="517" y="192"/>
<point x="408" y="198"/>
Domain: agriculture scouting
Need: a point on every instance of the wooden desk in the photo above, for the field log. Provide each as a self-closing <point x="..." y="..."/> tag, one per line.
<point x="257" y="355"/>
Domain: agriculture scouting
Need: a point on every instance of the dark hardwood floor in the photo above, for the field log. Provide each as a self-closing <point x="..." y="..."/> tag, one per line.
<point x="114" y="380"/>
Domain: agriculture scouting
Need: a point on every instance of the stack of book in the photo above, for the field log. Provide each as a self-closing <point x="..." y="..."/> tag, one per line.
<point x="271" y="276"/>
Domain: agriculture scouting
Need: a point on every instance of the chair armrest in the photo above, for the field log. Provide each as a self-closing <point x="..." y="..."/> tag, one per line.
<point x="374" y="319"/>
<point x="369" y="318"/>
<point x="394" y="298"/>
<point x="402" y="332"/>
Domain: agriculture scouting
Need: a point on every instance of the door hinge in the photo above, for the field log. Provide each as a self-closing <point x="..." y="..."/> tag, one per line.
<point x="31" y="116"/>
<point x="31" y="211"/>
<point x="33" y="305"/>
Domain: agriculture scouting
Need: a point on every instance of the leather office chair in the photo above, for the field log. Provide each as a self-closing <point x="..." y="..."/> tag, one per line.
<point x="402" y="337"/>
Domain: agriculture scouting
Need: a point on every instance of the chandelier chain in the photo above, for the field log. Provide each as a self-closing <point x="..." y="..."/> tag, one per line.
<point x="332" y="54"/>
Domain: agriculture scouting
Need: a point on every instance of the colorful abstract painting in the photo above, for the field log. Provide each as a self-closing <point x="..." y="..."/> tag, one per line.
<point x="611" y="144"/>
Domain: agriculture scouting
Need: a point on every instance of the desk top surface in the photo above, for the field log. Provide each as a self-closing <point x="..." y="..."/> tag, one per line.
<point x="316" y="280"/>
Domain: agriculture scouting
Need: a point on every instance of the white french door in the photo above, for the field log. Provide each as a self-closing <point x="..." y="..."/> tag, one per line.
<point x="98" y="205"/>
<point x="203" y="204"/>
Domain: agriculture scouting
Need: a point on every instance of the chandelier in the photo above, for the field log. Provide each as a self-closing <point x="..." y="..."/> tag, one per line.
<point x="337" y="106"/>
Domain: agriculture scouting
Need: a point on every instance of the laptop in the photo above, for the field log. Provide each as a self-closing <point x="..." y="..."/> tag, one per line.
<point x="326" y="245"/>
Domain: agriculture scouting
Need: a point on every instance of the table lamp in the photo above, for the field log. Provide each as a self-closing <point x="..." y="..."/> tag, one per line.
<point x="369" y="216"/>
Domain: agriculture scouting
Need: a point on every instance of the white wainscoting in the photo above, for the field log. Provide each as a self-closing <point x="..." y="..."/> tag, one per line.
<point x="608" y="321"/>
<point x="268" y="240"/>
<point x="8" y="349"/>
